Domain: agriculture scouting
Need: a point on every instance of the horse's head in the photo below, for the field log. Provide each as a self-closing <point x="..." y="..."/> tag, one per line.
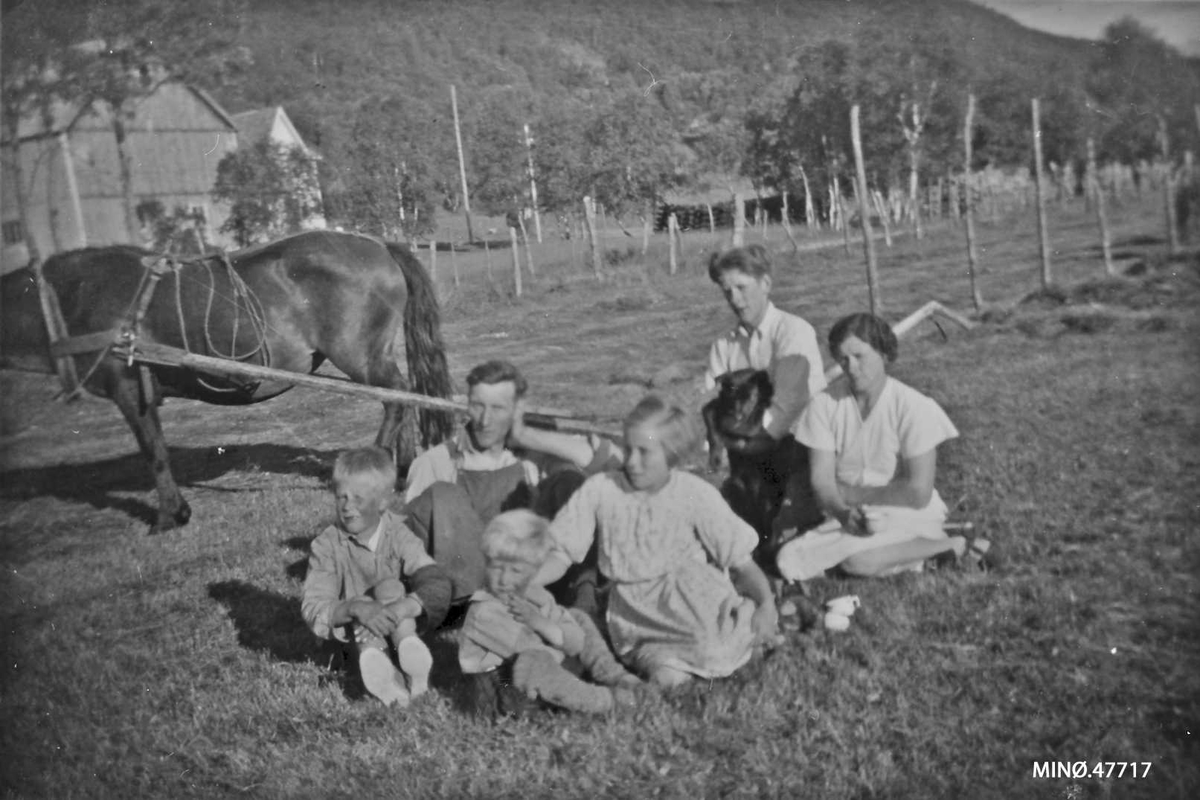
<point x="23" y="340"/>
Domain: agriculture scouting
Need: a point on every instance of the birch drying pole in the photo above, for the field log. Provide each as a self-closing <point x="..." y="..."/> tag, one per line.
<point x="864" y="209"/>
<point x="1039" y="181"/>
<point x="972" y="260"/>
<point x="516" y="259"/>
<point x="1101" y="211"/>
<point x="739" y="220"/>
<point x="537" y="217"/>
<point x="462" y="164"/>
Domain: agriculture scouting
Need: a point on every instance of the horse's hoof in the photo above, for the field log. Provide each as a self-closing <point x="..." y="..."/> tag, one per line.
<point x="169" y="522"/>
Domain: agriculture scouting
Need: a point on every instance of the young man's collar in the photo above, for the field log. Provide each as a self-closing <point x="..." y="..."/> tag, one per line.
<point x="768" y="318"/>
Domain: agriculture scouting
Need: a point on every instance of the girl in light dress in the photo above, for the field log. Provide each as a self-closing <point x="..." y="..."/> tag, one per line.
<point x="687" y="598"/>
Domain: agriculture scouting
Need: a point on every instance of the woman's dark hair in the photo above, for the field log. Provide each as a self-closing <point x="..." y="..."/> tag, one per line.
<point x="752" y="260"/>
<point x="868" y="327"/>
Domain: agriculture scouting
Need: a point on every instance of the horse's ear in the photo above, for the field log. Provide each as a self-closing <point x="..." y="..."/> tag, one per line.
<point x="156" y="263"/>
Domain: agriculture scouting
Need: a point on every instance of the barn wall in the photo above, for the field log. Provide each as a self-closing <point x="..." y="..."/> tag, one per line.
<point x="53" y="215"/>
<point x="175" y="141"/>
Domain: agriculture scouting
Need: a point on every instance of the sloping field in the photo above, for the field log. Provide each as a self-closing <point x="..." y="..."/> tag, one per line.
<point x="178" y="665"/>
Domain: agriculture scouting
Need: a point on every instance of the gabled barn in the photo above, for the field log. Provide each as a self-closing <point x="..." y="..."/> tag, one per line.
<point x="176" y="137"/>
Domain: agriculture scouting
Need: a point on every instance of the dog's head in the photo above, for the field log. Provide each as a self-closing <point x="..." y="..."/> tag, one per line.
<point x="744" y="395"/>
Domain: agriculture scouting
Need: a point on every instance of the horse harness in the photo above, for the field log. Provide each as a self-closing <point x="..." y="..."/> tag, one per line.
<point x="122" y="339"/>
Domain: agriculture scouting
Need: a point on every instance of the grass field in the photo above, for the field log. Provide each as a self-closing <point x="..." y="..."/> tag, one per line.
<point x="178" y="665"/>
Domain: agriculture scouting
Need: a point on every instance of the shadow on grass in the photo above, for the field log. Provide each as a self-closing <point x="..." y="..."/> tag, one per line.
<point x="298" y="570"/>
<point x="96" y="482"/>
<point x="267" y="622"/>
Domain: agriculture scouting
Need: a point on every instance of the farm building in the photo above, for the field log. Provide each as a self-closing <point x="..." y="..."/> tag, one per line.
<point x="176" y="137"/>
<point x="274" y="125"/>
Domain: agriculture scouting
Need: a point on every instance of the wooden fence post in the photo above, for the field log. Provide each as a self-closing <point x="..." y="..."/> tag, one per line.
<point x="672" y="233"/>
<point x="646" y="225"/>
<point x="864" y="209"/>
<point x="462" y="164"/>
<point x="487" y="255"/>
<point x="1043" y="234"/>
<point x="454" y="263"/>
<point x="972" y="259"/>
<point x="433" y="264"/>
<point x="787" y="224"/>
<point x="810" y="217"/>
<point x="525" y="241"/>
<point x="1097" y="193"/>
<point x="589" y="213"/>
<point x="739" y="220"/>
<point x="516" y="259"/>
<point x="881" y="207"/>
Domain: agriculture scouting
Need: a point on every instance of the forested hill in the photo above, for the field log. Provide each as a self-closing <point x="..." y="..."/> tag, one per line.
<point x="354" y="74"/>
<point x="710" y="58"/>
<point x="627" y="99"/>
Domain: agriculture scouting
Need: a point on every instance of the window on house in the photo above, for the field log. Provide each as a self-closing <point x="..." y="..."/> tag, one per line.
<point x="13" y="234"/>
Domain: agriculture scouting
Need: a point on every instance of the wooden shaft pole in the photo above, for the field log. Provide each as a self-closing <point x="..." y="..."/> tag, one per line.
<point x="151" y="353"/>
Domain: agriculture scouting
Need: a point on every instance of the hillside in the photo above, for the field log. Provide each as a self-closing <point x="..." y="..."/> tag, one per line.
<point x="704" y="63"/>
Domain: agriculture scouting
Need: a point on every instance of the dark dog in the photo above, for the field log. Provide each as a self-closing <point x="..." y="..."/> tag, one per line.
<point x="764" y="473"/>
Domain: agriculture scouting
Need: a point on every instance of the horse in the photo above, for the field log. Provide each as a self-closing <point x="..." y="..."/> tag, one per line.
<point x="768" y="484"/>
<point x="290" y="304"/>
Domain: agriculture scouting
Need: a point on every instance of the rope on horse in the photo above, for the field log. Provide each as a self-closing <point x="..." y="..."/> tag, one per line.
<point x="243" y="300"/>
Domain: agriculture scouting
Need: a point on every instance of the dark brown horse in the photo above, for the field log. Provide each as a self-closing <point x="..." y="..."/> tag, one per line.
<point x="359" y="302"/>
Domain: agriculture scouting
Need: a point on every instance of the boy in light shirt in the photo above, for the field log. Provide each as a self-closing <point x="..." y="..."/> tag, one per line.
<point x="371" y="582"/>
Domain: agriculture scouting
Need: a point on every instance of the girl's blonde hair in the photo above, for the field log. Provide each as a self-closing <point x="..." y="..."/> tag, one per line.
<point x="676" y="430"/>
<point x="518" y="535"/>
<point x="365" y="461"/>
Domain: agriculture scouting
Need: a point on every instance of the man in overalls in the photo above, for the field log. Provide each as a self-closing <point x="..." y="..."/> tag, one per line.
<point x="496" y="463"/>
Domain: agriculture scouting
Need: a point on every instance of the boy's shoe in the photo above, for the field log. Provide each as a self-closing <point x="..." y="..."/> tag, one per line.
<point x="381" y="678"/>
<point x="416" y="662"/>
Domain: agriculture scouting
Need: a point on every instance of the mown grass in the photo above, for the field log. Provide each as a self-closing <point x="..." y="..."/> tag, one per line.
<point x="178" y="665"/>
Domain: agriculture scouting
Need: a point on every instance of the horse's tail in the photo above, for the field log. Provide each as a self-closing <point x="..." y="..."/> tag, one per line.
<point x="423" y="344"/>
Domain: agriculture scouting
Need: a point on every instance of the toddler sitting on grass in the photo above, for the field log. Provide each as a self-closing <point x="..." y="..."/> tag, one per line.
<point x="515" y="629"/>
<point x="370" y="581"/>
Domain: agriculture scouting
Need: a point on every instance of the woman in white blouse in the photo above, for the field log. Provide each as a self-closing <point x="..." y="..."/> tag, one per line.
<point x="873" y="449"/>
